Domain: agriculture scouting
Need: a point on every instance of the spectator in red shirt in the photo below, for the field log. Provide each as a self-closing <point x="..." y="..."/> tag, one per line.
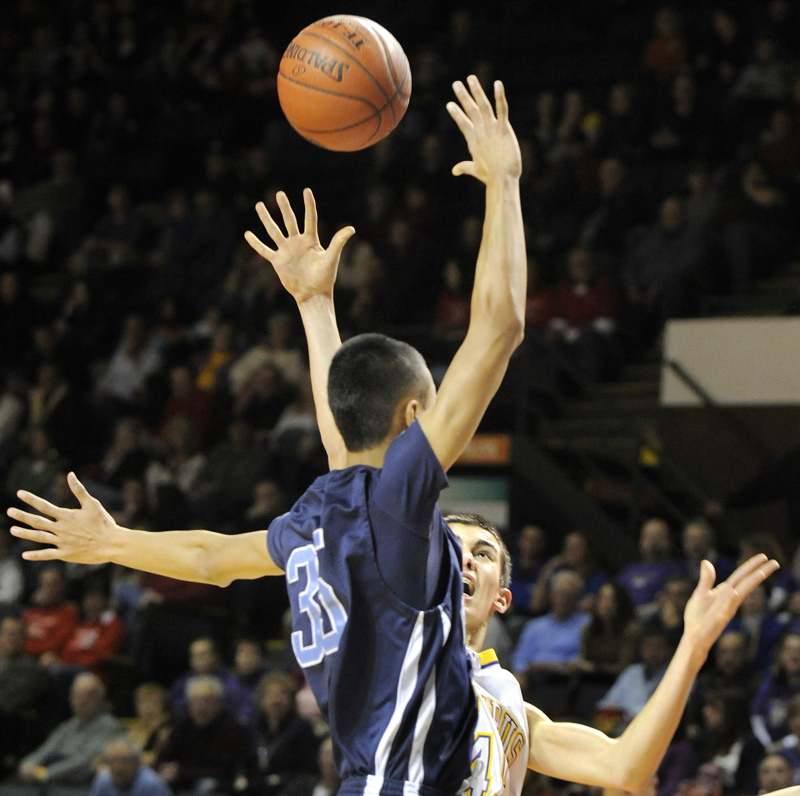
<point x="50" y="619"/>
<point x="98" y="635"/>
<point x="584" y="317"/>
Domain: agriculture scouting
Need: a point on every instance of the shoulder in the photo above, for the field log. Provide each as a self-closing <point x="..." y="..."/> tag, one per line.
<point x="490" y="671"/>
<point x="413" y="441"/>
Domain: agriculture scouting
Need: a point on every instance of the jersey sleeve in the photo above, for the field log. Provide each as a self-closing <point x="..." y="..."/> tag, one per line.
<point x="275" y="541"/>
<point x="406" y="524"/>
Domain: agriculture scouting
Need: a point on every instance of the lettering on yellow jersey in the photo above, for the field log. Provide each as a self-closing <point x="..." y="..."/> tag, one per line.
<point x="511" y="736"/>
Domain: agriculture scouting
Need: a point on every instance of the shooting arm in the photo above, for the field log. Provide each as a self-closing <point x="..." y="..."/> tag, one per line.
<point x="497" y="319"/>
<point x="581" y="754"/>
<point x="626" y="762"/>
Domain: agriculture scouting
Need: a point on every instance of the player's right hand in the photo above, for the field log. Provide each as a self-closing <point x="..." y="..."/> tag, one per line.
<point x="710" y="607"/>
<point x="82" y="536"/>
<point x="491" y="139"/>
<point x="305" y="268"/>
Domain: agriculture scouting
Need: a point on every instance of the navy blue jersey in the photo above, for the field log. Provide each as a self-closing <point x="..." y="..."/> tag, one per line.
<point x="392" y="680"/>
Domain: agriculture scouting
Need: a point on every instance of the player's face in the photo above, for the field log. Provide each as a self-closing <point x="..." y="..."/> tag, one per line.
<point x="482" y="564"/>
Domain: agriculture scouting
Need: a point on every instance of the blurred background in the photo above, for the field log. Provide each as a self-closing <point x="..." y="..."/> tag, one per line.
<point x="650" y="419"/>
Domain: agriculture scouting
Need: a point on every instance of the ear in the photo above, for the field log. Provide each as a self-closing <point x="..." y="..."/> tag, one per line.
<point x="502" y="602"/>
<point x="412" y="409"/>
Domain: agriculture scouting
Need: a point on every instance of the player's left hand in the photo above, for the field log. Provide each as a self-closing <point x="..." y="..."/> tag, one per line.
<point x="305" y="268"/>
<point x="710" y="607"/>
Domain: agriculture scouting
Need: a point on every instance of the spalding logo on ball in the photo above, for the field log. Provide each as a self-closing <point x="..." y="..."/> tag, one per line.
<point x="344" y="83"/>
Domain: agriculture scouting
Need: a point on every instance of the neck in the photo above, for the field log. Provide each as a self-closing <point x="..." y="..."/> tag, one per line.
<point x="476" y="636"/>
<point x="372" y="457"/>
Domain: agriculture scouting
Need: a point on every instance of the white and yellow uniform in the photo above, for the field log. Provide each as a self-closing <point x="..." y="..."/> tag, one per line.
<point x="500" y="748"/>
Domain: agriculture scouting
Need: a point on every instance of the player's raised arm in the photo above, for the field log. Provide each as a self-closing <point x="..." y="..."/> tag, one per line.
<point x="89" y="535"/>
<point x="497" y="316"/>
<point x="582" y="754"/>
<point x="308" y="272"/>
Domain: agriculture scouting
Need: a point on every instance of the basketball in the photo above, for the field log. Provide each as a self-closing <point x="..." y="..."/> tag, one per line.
<point x="344" y="83"/>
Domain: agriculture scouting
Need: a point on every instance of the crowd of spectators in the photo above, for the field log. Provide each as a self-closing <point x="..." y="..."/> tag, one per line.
<point x="84" y="690"/>
<point x="144" y="345"/>
<point x="597" y="653"/>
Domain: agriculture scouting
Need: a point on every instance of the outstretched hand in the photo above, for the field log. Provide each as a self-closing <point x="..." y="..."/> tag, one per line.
<point x="710" y="607"/>
<point x="82" y="536"/>
<point x="305" y="268"/>
<point x="491" y="140"/>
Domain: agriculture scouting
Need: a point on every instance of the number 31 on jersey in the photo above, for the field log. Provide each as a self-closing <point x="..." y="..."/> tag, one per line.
<point x="318" y="602"/>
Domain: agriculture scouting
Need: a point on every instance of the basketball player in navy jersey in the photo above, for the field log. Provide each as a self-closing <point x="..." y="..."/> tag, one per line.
<point x="373" y="572"/>
<point x="511" y="734"/>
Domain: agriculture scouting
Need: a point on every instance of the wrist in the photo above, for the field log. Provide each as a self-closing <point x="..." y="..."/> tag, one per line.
<point x="502" y="181"/>
<point x="693" y="652"/>
<point x="116" y="543"/>
<point x="312" y="300"/>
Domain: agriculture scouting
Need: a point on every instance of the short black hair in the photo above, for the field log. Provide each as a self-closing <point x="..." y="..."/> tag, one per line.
<point x="369" y="376"/>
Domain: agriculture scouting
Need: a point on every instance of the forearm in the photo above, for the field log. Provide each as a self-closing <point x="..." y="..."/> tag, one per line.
<point x="639" y="750"/>
<point x="627" y="762"/>
<point x="498" y="295"/>
<point x="322" y="334"/>
<point x="183" y="555"/>
<point x="496" y="327"/>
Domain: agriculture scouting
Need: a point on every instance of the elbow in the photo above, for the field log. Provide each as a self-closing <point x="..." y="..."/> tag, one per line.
<point x="210" y="572"/>
<point x="221" y="582"/>
<point x="513" y="333"/>
<point x="212" y="578"/>
<point x="509" y="332"/>
<point x="625" y="774"/>
<point x="631" y="779"/>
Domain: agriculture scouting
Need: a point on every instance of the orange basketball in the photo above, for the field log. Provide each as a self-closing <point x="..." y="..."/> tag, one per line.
<point x="344" y="82"/>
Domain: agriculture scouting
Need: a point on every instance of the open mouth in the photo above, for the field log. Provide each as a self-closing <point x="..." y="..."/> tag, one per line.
<point x="469" y="587"/>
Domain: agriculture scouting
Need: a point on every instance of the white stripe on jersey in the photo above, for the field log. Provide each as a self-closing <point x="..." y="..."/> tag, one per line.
<point x="373" y="785"/>
<point x="410" y="788"/>
<point x="406" y="684"/>
<point x="446" y="624"/>
<point x="416" y="767"/>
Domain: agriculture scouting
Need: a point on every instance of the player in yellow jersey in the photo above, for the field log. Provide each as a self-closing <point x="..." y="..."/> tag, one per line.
<point x="566" y="751"/>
